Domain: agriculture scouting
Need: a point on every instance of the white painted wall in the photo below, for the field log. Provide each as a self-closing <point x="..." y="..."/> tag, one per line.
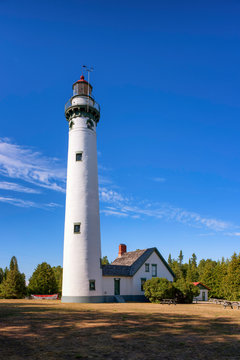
<point x="132" y="285"/>
<point x="82" y="252"/>
<point x="162" y="272"/>
<point x="125" y="285"/>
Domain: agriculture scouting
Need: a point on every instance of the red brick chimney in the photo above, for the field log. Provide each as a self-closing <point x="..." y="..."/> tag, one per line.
<point x="122" y="250"/>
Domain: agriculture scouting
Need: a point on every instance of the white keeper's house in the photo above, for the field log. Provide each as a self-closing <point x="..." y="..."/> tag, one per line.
<point x="84" y="277"/>
<point x="126" y="275"/>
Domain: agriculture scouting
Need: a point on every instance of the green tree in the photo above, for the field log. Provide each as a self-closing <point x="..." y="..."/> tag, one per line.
<point x="220" y="273"/>
<point x="157" y="289"/>
<point x="104" y="260"/>
<point x="13" y="264"/>
<point x="194" y="260"/>
<point x="1" y="275"/>
<point x="179" y="269"/>
<point x="13" y="285"/>
<point x="192" y="272"/>
<point x="185" y="291"/>
<point x="201" y="267"/>
<point x="184" y="269"/>
<point x="180" y="258"/>
<point x="232" y="279"/>
<point x="176" y="268"/>
<point x="5" y="272"/>
<point x="58" y="272"/>
<point x="169" y="260"/>
<point x="207" y="275"/>
<point x="43" y="281"/>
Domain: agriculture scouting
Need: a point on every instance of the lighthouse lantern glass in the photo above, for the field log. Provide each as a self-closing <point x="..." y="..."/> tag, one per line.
<point x="82" y="88"/>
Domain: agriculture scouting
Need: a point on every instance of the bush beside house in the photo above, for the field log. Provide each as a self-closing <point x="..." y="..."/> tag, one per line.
<point x="157" y="289"/>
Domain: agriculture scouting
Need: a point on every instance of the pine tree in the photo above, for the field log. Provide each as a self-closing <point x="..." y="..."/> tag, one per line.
<point x="1" y="275"/>
<point x="184" y="269"/>
<point x="176" y="269"/>
<point x="13" y="264"/>
<point x="43" y="281"/>
<point x="192" y="272"/>
<point x="232" y="286"/>
<point x="219" y="275"/>
<point x="194" y="260"/>
<point x="201" y="267"/>
<point x="5" y="272"/>
<point x="180" y="258"/>
<point x="169" y="260"/>
<point x="177" y="266"/>
<point x="13" y="285"/>
<point x="208" y="275"/>
<point x="189" y="276"/>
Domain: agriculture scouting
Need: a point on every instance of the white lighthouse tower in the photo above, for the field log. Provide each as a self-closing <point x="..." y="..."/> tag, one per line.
<point x="82" y="273"/>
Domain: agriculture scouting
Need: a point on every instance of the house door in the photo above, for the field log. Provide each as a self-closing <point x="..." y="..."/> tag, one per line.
<point x="116" y="286"/>
<point x="203" y="296"/>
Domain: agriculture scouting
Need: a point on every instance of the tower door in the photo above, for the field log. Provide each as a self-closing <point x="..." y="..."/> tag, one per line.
<point x="116" y="286"/>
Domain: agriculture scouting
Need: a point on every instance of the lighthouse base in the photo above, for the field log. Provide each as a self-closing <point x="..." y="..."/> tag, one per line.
<point x="103" y="299"/>
<point x="88" y="299"/>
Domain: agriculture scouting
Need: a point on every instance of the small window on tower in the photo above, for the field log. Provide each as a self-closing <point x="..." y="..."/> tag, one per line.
<point x="92" y="285"/>
<point x="77" y="228"/>
<point x="79" y="156"/>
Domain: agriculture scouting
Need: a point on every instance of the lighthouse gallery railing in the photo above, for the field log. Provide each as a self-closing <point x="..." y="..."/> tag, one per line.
<point x="89" y="101"/>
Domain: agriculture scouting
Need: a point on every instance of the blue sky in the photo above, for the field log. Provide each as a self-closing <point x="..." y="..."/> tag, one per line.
<point x="168" y="82"/>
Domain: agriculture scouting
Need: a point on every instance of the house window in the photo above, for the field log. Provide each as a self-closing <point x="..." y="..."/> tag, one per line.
<point x="79" y="156"/>
<point x="146" y="267"/>
<point x="92" y="285"/>
<point x="154" y="270"/>
<point x="77" y="228"/>
<point x="143" y="280"/>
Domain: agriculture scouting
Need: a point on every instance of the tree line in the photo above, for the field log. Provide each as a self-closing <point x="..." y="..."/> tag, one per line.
<point x="222" y="276"/>
<point x="45" y="280"/>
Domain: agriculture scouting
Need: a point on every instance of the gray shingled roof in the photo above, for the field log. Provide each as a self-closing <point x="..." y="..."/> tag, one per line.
<point x="129" y="258"/>
<point x="129" y="263"/>
<point x="116" y="270"/>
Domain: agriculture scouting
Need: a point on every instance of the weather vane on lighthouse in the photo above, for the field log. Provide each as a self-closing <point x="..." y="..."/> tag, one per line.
<point x="82" y="273"/>
<point x="88" y="70"/>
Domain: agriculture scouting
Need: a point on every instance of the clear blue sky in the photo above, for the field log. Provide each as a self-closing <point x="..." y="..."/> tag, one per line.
<point x="168" y="82"/>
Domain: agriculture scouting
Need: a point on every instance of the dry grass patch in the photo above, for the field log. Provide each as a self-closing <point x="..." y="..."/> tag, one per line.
<point x="50" y="330"/>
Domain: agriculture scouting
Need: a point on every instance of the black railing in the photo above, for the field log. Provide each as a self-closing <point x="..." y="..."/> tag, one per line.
<point x="89" y="102"/>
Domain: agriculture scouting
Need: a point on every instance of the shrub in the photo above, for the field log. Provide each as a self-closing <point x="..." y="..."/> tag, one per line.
<point x="157" y="289"/>
<point x="185" y="292"/>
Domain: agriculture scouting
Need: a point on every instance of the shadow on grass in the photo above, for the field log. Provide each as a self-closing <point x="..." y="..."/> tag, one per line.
<point x="53" y="332"/>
